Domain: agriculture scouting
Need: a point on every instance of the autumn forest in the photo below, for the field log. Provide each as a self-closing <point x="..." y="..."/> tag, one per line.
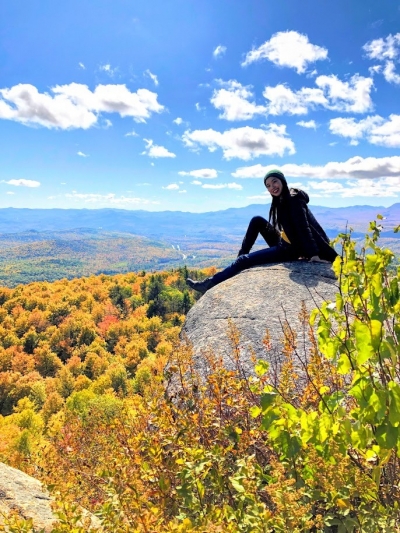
<point x="101" y="401"/>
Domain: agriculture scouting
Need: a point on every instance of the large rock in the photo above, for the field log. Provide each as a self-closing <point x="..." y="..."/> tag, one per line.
<point x="25" y="496"/>
<point x="261" y="298"/>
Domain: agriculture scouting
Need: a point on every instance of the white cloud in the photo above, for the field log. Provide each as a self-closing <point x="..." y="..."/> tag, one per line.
<point x="107" y="199"/>
<point x="354" y="168"/>
<point x="10" y="192"/>
<point x="178" y="121"/>
<point x="152" y="76"/>
<point x="196" y="182"/>
<point x="283" y="100"/>
<point x="205" y="173"/>
<point x="153" y="150"/>
<point x="182" y="191"/>
<point x="107" y="123"/>
<point x="326" y="186"/>
<point x="243" y="143"/>
<point x="288" y="49"/>
<point x="82" y="66"/>
<point x="386" y="50"/>
<point x="389" y="73"/>
<point x="375" y="129"/>
<point x="219" y="51"/>
<point x="375" y="69"/>
<point x="81" y="154"/>
<point x="233" y="100"/>
<point x="307" y="124"/>
<point x="349" y="127"/>
<point x="172" y="187"/>
<point x="387" y="133"/>
<point x="381" y="188"/>
<point x="383" y="49"/>
<point x="198" y="107"/>
<point x="108" y="69"/>
<point x="75" y="105"/>
<point x="331" y="93"/>
<point x="385" y="187"/>
<point x="236" y="186"/>
<point x="23" y="183"/>
<point x="131" y="134"/>
<point x="350" y="96"/>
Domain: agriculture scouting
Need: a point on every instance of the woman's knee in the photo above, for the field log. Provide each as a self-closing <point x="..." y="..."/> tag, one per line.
<point x="241" y="263"/>
<point x="258" y="222"/>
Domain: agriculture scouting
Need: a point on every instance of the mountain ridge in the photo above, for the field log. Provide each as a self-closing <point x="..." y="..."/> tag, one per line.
<point x="170" y="224"/>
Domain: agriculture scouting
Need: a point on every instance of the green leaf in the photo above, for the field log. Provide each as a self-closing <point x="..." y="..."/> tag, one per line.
<point x="361" y="390"/>
<point x="237" y="485"/>
<point x="387" y="435"/>
<point x="200" y="488"/>
<point x="255" y="411"/>
<point x="377" y="401"/>
<point x="344" y="365"/>
<point x="376" y="333"/>
<point x="371" y="264"/>
<point x="363" y="342"/>
<point x="261" y="367"/>
<point x="334" y="400"/>
<point x="313" y="316"/>
<point x="339" y="302"/>
<point x="394" y="403"/>
<point x="376" y="282"/>
<point x="324" y="426"/>
<point x="267" y="399"/>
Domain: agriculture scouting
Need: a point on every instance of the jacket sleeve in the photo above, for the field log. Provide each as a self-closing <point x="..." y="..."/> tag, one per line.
<point x="303" y="236"/>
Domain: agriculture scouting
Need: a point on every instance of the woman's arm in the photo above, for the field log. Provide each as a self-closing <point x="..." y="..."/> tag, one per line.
<point x="301" y="230"/>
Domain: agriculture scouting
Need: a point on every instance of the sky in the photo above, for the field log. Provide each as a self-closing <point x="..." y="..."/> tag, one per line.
<point x="186" y="104"/>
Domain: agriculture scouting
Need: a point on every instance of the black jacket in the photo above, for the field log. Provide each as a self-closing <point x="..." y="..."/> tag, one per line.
<point x="302" y="228"/>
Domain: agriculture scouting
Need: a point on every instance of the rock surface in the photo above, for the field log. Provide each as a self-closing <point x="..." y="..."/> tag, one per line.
<point x="256" y="299"/>
<point x="25" y="496"/>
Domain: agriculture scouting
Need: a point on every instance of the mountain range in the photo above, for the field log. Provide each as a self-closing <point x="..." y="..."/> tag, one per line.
<point x="49" y="244"/>
<point x="170" y="225"/>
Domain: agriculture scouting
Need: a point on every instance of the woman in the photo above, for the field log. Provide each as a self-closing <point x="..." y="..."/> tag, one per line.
<point x="291" y="233"/>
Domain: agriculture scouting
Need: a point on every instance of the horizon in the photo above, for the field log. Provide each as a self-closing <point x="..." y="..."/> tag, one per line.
<point x="183" y="211"/>
<point x="184" y="107"/>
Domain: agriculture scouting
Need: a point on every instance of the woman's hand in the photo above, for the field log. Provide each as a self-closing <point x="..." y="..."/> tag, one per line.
<point x="317" y="259"/>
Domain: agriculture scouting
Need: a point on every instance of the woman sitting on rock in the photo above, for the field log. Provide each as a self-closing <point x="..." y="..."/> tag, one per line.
<point x="291" y="233"/>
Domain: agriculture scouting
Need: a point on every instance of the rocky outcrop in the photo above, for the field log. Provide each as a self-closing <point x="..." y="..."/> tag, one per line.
<point x="25" y="496"/>
<point x="261" y="298"/>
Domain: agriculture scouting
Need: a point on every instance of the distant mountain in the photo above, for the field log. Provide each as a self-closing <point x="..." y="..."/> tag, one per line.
<point x="171" y="225"/>
<point x="49" y="244"/>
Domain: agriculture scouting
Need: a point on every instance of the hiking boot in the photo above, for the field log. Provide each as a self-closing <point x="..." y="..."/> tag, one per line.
<point x="200" y="286"/>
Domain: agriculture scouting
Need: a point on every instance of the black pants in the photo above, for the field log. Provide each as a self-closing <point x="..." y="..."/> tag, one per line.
<point x="279" y="250"/>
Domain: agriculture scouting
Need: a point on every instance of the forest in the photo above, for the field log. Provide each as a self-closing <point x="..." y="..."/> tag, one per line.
<point x="99" y="399"/>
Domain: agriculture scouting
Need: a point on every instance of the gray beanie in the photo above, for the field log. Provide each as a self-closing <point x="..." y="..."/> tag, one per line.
<point x="276" y="173"/>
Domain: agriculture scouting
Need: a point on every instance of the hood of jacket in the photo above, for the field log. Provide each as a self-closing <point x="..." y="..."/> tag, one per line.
<point x="300" y="194"/>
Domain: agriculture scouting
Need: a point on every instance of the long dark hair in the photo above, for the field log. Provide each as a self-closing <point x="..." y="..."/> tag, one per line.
<point x="276" y="201"/>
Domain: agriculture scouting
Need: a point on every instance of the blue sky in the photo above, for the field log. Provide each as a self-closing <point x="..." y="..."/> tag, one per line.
<point x="185" y="104"/>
